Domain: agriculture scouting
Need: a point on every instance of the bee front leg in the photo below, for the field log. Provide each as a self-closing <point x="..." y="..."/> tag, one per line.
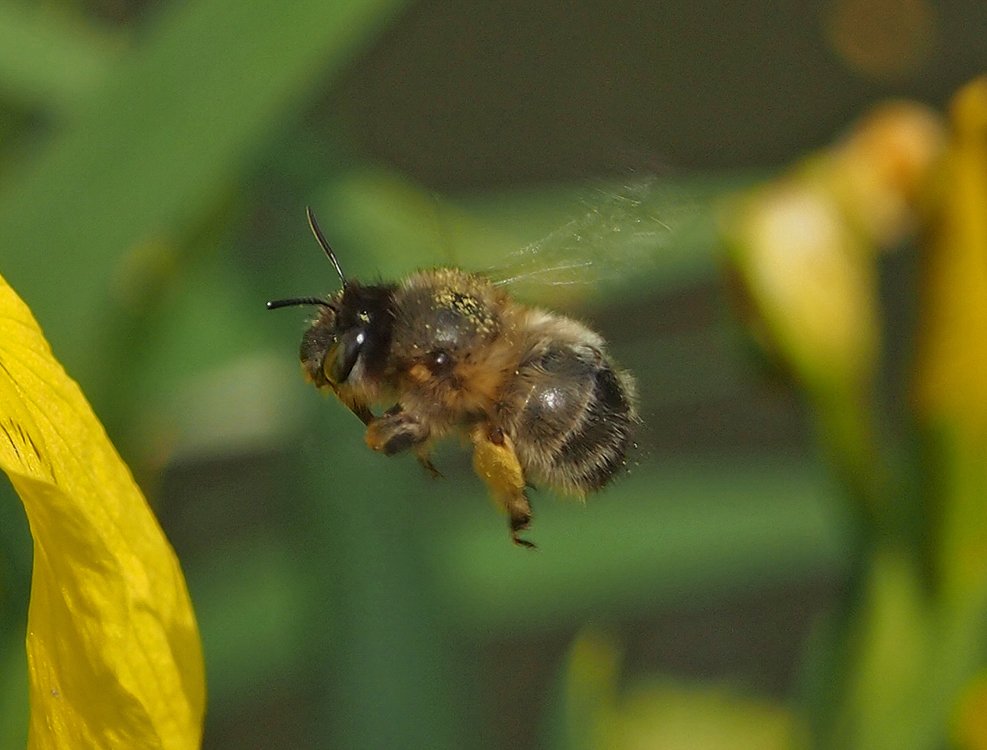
<point x="395" y="431"/>
<point x="426" y="463"/>
<point x="496" y="463"/>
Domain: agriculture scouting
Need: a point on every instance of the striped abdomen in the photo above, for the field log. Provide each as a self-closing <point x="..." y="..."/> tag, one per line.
<point x="571" y="416"/>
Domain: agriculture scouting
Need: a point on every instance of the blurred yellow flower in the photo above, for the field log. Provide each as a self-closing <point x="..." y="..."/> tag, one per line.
<point x="114" y="655"/>
<point x="810" y="280"/>
<point x="661" y="714"/>
<point x="953" y="357"/>
<point x="880" y="169"/>
<point x="949" y="392"/>
<point x="804" y="246"/>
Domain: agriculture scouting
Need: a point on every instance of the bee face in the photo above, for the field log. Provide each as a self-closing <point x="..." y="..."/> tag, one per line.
<point x="534" y="392"/>
<point x="350" y="337"/>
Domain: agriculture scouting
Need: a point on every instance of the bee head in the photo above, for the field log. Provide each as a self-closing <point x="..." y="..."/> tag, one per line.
<point x="353" y="325"/>
<point x="353" y="328"/>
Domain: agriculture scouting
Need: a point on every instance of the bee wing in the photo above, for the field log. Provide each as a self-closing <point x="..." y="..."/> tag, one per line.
<point x="617" y="233"/>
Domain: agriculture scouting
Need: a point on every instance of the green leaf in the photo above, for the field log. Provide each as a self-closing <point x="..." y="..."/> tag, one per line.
<point x="158" y="143"/>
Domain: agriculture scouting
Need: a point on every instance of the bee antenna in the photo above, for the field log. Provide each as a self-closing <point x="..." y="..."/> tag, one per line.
<point x="275" y="304"/>
<point x="321" y="238"/>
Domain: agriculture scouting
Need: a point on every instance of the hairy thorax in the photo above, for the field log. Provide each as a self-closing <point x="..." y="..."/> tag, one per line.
<point x="455" y="343"/>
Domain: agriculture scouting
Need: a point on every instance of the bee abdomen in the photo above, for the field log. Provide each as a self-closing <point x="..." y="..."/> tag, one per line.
<point x="595" y="450"/>
<point x="576" y="418"/>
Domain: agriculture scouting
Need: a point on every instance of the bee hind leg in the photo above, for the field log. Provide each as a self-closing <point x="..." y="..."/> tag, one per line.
<point x="518" y="524"/>
<point x="496" y="463"/>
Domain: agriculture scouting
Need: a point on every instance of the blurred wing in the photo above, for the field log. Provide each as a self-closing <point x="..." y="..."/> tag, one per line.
<point x="619" y="232"/>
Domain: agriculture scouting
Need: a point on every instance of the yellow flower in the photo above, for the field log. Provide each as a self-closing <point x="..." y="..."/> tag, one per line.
<point x="812" y="283"/>
<point x="954" y="350"/>
<point x="114" y="655"/>
<point x="805" y="246"/>
<point x="950" y="397"/>
<point x="600" y="712"/>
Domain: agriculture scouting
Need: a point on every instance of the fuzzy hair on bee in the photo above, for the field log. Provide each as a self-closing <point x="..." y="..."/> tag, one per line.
<point x="449" y="352"/>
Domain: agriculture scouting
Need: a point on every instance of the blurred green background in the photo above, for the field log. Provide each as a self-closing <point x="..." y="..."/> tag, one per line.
<point x="155" y="162"/>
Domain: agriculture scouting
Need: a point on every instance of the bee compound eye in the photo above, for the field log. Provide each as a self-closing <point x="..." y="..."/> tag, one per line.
<point x="341" y="358"/>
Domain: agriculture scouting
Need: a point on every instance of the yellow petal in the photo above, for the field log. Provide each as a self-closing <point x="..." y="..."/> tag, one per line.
<point x="950" y="392"/>
<point x="805" y="245"/>
<point x="113" y="649"/>
<point x="682" y="717"/>
<point x="953" y="358"/>
<point x="811" y="281"/>
<point x="881" y="167"/>
<point x="600" y="713"/>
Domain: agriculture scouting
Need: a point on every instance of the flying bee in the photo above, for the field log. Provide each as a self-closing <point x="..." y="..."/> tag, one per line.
<point x="535" y="393"/>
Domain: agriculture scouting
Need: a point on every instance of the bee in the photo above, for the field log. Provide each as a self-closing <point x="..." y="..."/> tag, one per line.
<point x="535" y="393"/>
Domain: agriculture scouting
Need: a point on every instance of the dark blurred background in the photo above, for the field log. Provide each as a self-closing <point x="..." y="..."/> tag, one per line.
<point x="155" y="161"/>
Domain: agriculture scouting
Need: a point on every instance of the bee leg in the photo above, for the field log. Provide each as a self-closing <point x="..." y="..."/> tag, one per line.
<point x="394" y="432"/>
<point x="366" y="416"/>
<point x="362" y="411"/>
<point x="427" y="464"/>
<point x="496" y="463"/>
